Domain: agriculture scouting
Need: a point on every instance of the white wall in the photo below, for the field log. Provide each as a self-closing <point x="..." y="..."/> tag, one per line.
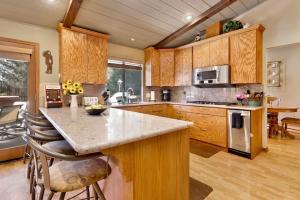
<point x="48" y="40"/>
<point x="289" y="92"/>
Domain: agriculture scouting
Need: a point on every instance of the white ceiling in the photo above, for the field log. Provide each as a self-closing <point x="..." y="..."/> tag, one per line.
<point x="148" y="21"/>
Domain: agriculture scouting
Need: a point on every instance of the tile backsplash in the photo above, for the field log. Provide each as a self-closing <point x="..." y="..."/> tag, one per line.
<point x="225" y="94"/>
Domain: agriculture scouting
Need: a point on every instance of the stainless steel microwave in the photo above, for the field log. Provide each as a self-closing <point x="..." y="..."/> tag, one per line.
<point x="211" y="75"/>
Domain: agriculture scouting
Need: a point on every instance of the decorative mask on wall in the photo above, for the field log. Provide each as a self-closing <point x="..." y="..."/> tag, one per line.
<point x="48" y="60"/>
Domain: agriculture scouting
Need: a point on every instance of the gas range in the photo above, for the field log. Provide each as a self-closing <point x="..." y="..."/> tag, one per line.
<point x="213" y="103"/>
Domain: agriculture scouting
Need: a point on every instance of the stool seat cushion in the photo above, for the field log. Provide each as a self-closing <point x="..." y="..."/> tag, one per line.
<point x="72" y="175"/>
<point x="60" y="146"/>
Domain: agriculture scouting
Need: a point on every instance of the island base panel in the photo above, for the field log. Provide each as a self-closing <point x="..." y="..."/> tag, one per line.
<point x="155" y="168"/>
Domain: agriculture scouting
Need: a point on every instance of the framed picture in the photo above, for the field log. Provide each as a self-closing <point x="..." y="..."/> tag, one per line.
<point x="273" y="74"/>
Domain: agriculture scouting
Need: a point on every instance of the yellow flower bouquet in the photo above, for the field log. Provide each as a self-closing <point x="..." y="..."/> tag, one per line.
<point x="72" y="88"/>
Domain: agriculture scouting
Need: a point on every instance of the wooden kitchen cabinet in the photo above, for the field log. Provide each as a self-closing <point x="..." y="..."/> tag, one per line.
<point x="152" y="67"/>
<point x="97" y="53"/>
<point x="183" y="67"/>
<point x="219" y="51"/>
<point x="83" y="56"/>
<point x="166" y="67"/>
<point x="201" y="55"/>
<point x="213" y="52"/>
<point x="246" y="57"/>
<point x="208" y="128"/>
<point x="73" y="62"/>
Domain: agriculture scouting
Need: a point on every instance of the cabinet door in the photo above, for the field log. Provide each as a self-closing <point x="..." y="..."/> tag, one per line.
<point x="243" y="52"/>
<point x="183" y="67"/>
<point x="178" y="79"/>
<point x="219" y="51"/>
<point x="201" y="55"/>
<point x="208" y="128"/>
<point x="73" y="62"/>
<point x="166" y="67"/>
<point x="152" y="71"/>
<point x="97" y="60"/>
<point x="187" y="65"/>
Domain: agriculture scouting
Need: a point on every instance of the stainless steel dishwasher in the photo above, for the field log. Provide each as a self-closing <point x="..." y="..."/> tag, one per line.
<point x="239" y="130"/>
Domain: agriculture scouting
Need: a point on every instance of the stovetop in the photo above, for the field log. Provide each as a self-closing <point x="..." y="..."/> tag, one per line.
<point x="213" y="103"/>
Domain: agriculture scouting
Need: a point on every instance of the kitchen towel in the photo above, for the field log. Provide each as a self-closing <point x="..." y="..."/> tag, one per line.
<point x="237" y="120"/>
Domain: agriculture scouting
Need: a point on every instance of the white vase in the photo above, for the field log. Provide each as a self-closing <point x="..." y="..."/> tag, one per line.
<point x="74" y="103"/>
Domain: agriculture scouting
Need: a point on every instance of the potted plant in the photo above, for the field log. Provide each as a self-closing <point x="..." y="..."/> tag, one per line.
<point x="73" y="89"/>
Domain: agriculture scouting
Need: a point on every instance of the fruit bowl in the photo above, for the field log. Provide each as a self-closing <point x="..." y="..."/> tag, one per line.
<point x="95" y="109"/>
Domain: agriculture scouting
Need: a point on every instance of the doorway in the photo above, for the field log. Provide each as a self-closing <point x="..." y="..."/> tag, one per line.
<point x="19" y="86"/>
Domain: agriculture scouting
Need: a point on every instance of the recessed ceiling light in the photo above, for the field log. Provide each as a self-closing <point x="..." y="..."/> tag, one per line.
<point x="189" y="17"/>
<point x="132" y="39"/>
<point x="51" y="1"/>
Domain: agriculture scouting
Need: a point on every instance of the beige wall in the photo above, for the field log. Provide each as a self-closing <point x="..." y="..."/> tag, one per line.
<point x="48" y="40"/>
<point x="281" y="20"/>
<point x="290" y="81"/>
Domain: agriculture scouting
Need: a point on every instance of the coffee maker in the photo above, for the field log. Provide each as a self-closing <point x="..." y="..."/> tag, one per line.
<point x="166" y="95"/>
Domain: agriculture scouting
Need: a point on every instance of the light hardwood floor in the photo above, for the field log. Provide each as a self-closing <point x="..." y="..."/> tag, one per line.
<point x="272" y="175"/>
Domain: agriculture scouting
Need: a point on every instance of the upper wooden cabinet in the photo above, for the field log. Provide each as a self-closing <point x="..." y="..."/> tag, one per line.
<point x="246" y="57"/>
<point x="83" y="56"/>
<point x="166" y="67"/>
<point x="183" y="67"/>
<point x="152" y="69"/>
<point x="219" y="51"/>
<point x="213" y="52"/>
<point x="201" y="55"/>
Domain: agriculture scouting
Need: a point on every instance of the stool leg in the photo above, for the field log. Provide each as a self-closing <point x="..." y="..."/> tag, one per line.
<point x="62" y="196"/>
<point x="88" y="193"/>
<point x="41" y="196"/>
<point x="285" y="130"/>
<point x="99" y="192"/>
<point x="95" y="193"/>
<point x="282" y="129"/>
<point x="50" y="196"/>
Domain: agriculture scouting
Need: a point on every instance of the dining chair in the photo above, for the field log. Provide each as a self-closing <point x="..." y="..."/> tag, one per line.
<point x="288" y="121"/>
<point x="72" y="172"/>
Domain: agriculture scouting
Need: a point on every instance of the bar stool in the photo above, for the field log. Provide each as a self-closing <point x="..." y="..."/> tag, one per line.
<point x="53" y="143"/>
<point x="70" y="174"/>
<point x="288" y="121"/>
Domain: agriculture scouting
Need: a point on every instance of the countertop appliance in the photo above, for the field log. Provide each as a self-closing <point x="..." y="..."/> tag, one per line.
<point x="212" y="103"/>
<point x="239" y="132"/>
<point x="53" y="96"/>
<point x="166" y="95"/>
<point x="211" y="75"/>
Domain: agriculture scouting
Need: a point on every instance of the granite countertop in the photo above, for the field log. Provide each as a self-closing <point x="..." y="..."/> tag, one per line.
<point x="237" y="107"/>
<point x="89" y="134"/>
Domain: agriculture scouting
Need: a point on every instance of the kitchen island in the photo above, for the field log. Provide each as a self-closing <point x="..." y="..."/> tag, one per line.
<point x="149" y="155"/>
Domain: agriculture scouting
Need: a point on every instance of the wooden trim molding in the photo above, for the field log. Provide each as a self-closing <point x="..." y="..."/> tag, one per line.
<point x="84" y="31"/>
<point x="72" y="11"/>
<point x="201" y="18"/>
<point x="34" y="80"/>
<point x="15" y="49"/>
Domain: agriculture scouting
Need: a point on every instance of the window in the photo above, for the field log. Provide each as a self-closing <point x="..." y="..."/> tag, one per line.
<point x="13" y="78"/>
<point x="124" y="81"/>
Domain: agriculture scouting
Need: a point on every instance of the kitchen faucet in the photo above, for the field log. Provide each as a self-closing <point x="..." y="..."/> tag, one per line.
<point x="129" y="93"/>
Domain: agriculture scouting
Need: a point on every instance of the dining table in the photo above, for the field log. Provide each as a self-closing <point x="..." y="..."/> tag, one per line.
<point x="273" y="113"/>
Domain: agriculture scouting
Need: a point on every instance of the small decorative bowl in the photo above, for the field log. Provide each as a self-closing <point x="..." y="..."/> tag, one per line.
<point x="95" y="111"/>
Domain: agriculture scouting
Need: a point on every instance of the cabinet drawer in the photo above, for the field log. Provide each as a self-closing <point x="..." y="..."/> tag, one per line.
<point x="208" y="128"/>
<point x="206" y="110"/>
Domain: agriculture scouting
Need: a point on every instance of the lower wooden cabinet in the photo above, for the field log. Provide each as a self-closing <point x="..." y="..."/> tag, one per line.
<point x="210" y="124"/>
<point x="208" y="128"/>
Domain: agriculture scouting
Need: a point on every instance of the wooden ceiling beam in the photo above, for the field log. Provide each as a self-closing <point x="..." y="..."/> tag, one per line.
<point x="201" y="18"/>
<point x="72" y="11"/>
